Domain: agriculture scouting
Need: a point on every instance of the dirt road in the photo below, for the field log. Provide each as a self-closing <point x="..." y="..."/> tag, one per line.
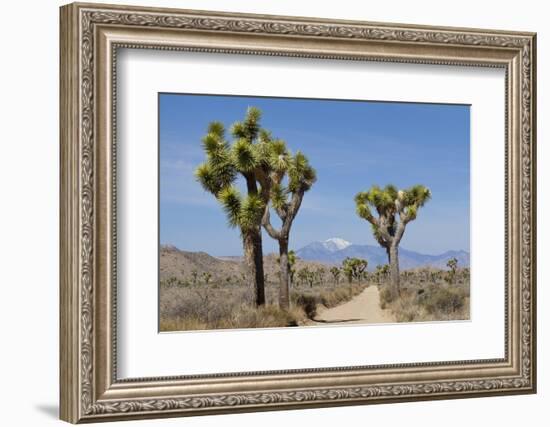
<point x="364" y="308"/>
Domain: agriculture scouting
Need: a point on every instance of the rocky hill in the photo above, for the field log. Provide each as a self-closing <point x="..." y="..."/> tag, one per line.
<point x="182" y="264"/>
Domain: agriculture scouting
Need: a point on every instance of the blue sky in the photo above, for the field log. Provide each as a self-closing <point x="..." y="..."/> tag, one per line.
<point x="351" y="144"/>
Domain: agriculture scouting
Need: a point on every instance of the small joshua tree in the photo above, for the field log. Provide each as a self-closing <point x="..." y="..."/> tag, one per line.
<point x="306" y="276"/>
<point x="382" y="271"/>
<point x="335" y="271"/>
<point x="320" y="275"/>
<point x="291" y="263"/>
<point x="453" y="265"/>
<point x="395" y="209"/>
<point x="354" y="268"/>
<point x="206" y="277"/>
<point x="302" y="275"/>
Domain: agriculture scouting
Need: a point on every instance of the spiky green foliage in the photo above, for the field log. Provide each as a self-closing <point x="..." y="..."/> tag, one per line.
<point x="251" y="212"/>
<point x="255" y="155"/>
<point x="249" y="127"/>
<point x="260" y="159"/>
<point x="287" y="199"/>
<point x="264" y="162"/>
<point x="393" y="207"/>
<point x="218" y="171"/>
<point x="301" y="175"/>
<point x="278" y="196"/>
<point x="230" y="199"/>
<point x="244" y="156"/>
<point x="292" y="257"/>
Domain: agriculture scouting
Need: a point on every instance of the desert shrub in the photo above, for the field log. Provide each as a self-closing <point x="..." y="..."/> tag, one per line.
<point x="268" y="316"/>
<point x="334" y="297"/>
<point x="443" y="299"/>
<point x="405" y="308"/>
<point x="385" y="297"/>
<point x="227" y="302"/>
<point x="308" y="302"/>
<point x="426" y="295"/>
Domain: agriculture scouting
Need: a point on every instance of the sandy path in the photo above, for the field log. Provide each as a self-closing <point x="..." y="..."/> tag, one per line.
<point x="364" y="308"/>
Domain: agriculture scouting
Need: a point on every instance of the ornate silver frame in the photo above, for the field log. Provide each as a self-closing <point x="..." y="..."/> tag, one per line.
<point x="90" y="36"/>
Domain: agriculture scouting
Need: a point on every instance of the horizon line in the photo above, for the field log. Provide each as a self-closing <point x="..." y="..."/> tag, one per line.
<point x="161" y="245"/>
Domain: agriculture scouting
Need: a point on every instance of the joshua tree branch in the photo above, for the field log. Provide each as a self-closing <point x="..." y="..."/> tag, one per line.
<point x="266" y="222"/>
<point x="292" y="211"/>
<point x="399" y="233"/>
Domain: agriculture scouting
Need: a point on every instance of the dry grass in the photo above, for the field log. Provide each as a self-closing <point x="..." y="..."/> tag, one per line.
<point x="429" y="297"/>
<point x="426" y="296"/>
<point x="229" y="305"/>
<point x="269" y="316"/>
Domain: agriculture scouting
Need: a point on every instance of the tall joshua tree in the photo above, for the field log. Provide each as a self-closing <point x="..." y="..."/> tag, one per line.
<point x="250" y="155"/>
<point x="395" y="209"/>
<point x="286" y="201"/>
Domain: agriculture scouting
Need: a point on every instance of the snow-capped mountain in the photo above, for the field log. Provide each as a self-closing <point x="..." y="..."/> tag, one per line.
<point x="335" y="250"/>
<point x="335" y="244"/>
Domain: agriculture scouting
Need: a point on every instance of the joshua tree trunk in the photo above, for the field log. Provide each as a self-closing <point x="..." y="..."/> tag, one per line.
<point x="282" y="236"/>
<point x="253" y="257"/>
<point x="284" y="277"/>
<point x="393" y="255"/>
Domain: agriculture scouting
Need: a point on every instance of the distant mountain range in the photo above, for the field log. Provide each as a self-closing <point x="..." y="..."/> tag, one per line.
<point x="335" y="250"/>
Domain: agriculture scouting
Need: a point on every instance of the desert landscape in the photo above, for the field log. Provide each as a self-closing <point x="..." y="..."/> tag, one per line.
<point x="200" y="292"/>
<point x="255" y="196"/>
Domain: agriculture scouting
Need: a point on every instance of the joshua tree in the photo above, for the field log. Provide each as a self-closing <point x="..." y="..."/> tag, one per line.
<point x="335" y="271"/>
<point x="291" y="262"/>
<point x="395" y="209"/>
<point x="286" y="201"/>
<point x="452" y="264"/>
<point x="302" y="275"/>
<point x="306" y="276"/>
<point x="353" y="268"/>
<point x="206" y="277"/>
<point x="251" y="155"/>
<point x="320" y="275"/>
<point x="382" y="271"/>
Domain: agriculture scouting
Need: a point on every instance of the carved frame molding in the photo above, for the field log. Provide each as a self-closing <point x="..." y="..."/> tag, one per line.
<point x="90" y="37"/>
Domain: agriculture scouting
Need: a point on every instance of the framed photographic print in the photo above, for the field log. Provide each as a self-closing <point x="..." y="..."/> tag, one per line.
<point x="266" y="212"/>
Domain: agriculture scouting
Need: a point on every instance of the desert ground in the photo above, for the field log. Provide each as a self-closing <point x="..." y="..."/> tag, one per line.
<point x="199" y="292"/>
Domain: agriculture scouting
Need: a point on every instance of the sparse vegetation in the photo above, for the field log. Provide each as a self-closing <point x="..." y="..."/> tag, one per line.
<point x="226" y="301"/>
<point x="220" y="297"/>
<point x="428" y="295"/>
